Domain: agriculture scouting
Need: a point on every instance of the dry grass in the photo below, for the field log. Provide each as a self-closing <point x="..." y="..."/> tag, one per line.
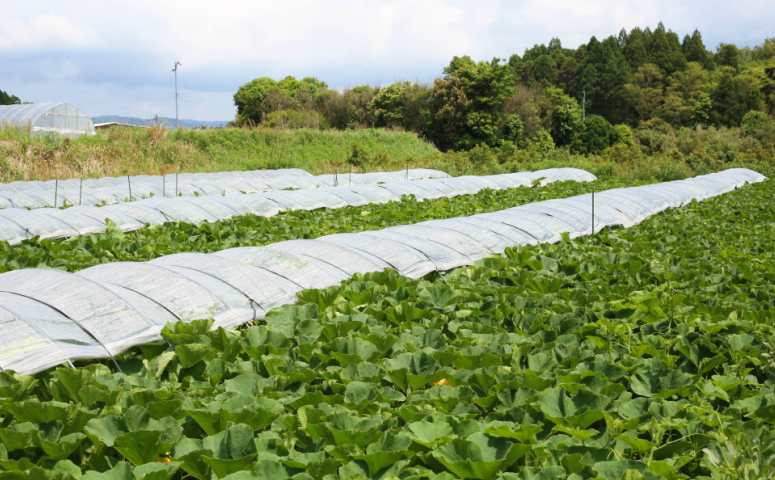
<point x="155" y="151"/>
<point x="114" y="152"/>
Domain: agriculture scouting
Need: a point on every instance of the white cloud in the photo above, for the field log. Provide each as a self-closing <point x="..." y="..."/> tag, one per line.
<point x="50" y="31"/>
<point x="110" y="56"/>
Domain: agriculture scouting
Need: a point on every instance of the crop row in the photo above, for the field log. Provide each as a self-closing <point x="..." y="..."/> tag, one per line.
<point x="639" y="353"/>
<point x="77" y="253"/>
<point x="20" y="224"/>
<point x="111" y="190"/>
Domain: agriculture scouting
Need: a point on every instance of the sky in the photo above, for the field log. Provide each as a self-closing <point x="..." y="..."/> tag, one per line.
<point x="116" y="57"/>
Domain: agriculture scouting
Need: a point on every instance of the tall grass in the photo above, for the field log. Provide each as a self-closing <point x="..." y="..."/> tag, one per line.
<point x="155" y="151"/>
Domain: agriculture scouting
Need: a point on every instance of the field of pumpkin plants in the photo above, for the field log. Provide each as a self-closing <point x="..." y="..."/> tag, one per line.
<point x="640" y="353"/>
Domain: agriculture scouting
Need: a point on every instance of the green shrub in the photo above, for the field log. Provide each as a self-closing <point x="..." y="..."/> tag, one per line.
<point x="596" y="136"/>
<point x="295" y="119"/>
<point x="760" y="126"/>
<point x="359" y="156"/>
<point x="481" y="156"/>
<point x="624" y="135"/>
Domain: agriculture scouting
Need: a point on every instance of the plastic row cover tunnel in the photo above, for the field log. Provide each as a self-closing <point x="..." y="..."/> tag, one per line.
<point x="51" y="317"/>
<point x="17" y="224"/>
<point x="127" y="189"/>
<point x="31" y="185"/>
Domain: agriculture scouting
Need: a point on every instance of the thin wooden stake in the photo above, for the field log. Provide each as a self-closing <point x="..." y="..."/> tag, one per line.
<point x="129" y="182"/>
<point x="56" y="192"/>
<point x="593" y="211"/>
<point x="80" y="195"/>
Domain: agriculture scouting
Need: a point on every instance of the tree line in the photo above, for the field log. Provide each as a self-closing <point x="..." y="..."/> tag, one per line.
<point x="8" y="99"/>
<point x="646" y="79"/>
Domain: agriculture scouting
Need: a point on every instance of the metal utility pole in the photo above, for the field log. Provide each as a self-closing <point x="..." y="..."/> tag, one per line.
<point x="177" y="64"/>
<point x="583" y="101"/>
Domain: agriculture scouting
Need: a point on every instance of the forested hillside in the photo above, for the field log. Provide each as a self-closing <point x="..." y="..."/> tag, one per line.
<point x="645" y="79"/>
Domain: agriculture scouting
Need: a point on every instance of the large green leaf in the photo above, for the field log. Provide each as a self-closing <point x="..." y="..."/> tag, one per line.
<point x="258" y="413"/>
<point x="480" y="456"/>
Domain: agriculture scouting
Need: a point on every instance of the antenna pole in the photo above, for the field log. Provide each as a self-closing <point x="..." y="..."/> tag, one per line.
<point x="177" y="64"/>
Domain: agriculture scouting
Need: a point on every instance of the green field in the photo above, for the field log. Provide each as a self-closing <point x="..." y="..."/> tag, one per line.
<point x="638" y="353"/>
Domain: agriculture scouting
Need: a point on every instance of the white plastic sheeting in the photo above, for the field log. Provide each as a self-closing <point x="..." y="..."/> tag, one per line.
<point x="49" y="317"/>
<point x="17" y="224"/>
<point x="112" y="190"/>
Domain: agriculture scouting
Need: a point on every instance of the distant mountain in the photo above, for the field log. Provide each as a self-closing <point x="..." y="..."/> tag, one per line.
<point x="163" y="121"/>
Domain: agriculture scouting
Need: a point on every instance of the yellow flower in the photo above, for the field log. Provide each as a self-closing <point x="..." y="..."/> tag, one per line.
<point x="164" y="459"/>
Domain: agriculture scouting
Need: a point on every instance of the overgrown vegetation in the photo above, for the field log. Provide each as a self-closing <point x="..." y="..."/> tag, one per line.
<point x="639" y="353"/>
<point x="155" y="151"/>
<point x="645" y="154"/>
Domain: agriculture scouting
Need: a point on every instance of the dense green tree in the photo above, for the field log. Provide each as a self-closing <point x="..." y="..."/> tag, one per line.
<point x="765" y="51"/>
<point x="694" y="50"/>
<point x="388" y="104"/>
<point x="596" y="135"/>
<point x="641" y="77"/>
<point x="399" y="104"/>
<point x="665" y="51"/>
<point x="348" y="109"/>
<point x="760" y="126"/>
<point x="465" y="106"/>
<point x="545" y="71"/>
<point x="555" y="45"/>
<point x="645" y="93"/>
<point x="604" y="72"/>
<point x="263" y="95"/>
<point x="567" y="73"/>
<point x="684" y="96"/>
<point x="634" y="47"/>
<point x="564" y="115"/>
<point x="728" y="55"/>
<point x="733" y="97"/>
<point x="8" y="99"/>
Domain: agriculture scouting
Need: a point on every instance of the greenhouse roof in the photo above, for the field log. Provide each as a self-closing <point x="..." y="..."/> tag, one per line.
<point x="42" y="118"/>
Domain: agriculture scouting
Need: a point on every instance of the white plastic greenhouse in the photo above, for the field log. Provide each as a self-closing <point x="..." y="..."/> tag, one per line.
<point x="17" y="224"/>
<point x="47" y="118"/>
<point x="50" y="317"/>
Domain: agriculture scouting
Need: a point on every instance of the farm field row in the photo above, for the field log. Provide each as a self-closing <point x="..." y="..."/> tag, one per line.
<point x="110" y="191"/>
<point x="639" y="353"/>
<point x="19" y="224"/>
<point x="81" y="252"/>
<point x="54" y="317"/>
